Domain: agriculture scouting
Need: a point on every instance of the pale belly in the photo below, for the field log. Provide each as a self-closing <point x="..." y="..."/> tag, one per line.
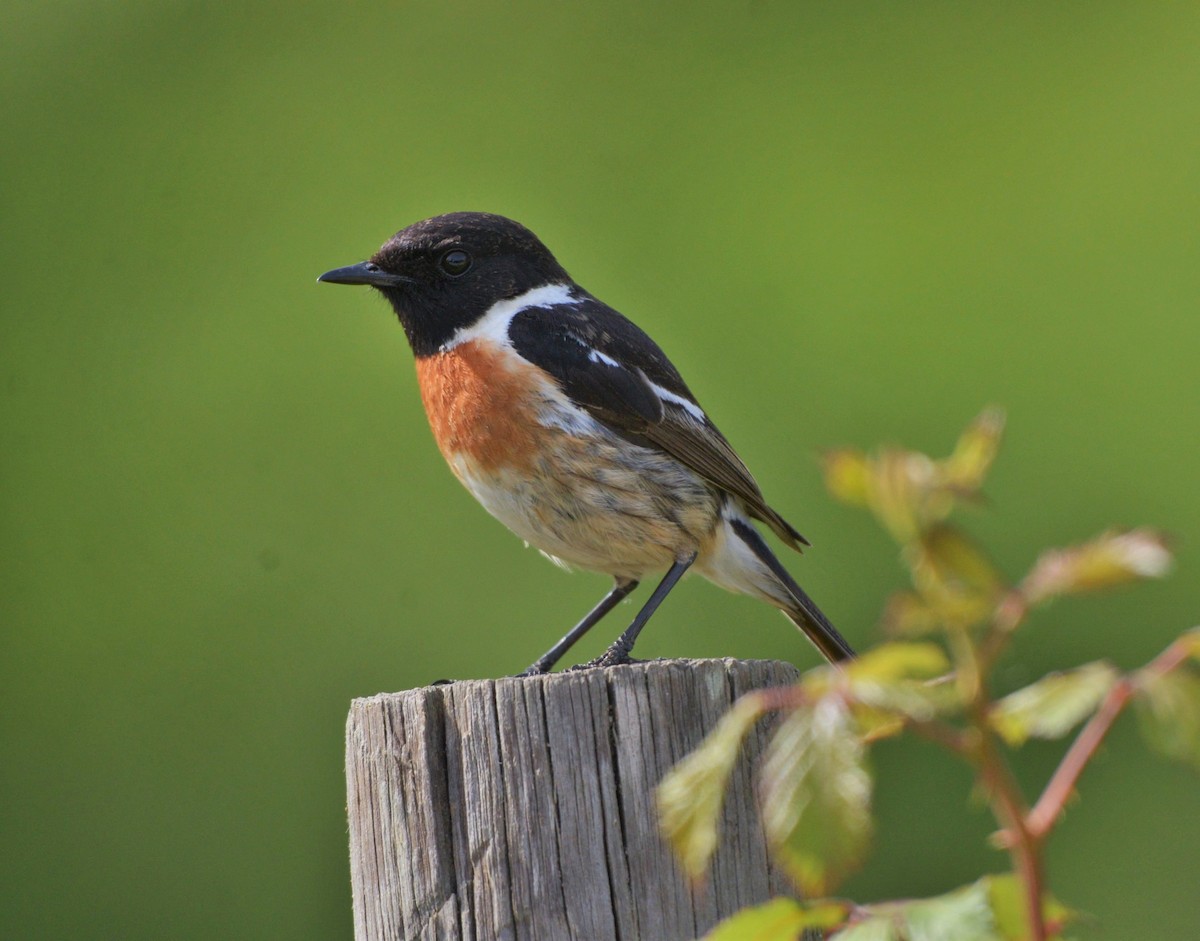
<point x="599" y="504"/>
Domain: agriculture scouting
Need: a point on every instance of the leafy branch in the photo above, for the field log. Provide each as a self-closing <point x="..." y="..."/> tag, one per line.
<point x="933" y="680"/>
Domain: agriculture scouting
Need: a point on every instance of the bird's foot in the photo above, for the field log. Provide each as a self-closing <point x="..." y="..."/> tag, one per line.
<point x="616" y="656"/>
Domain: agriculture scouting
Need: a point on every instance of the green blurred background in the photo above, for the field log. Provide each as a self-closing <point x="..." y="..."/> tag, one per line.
<point x="224" y="517"/>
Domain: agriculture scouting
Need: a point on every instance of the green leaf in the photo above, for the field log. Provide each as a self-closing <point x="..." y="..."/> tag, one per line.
<point x="872" y="928"/>
<point x="1053" y="705"/>
<point x="911" y="494"/>
<point x="908" y="491"/>
<point x="966" y="468"/>
<point x="989" y="909"/>
<point x="691" y="795"/>
<point x="847" y="476"/>
<point x="816" y="795"/>
<point x="958" y="562"/>
<point x="1113" y="558"/>
<point x="899" y="661"/>
<point x="895" y="678"/>
<point x="873" y="724"/>
<point x="1168" y="709"/>
<point x="1007" y="900"/>
<point x="962" y="915"/>
<point x="954" y="576"/>
<point x="778" y="920"/>
<point x="920" y="702"/>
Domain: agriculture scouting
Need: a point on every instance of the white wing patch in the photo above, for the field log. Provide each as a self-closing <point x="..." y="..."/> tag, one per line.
<point x="493" y="325"/>
<point x="597" y="357"/>
<point x="688" y="406"/>
<point x="665" y="395"/>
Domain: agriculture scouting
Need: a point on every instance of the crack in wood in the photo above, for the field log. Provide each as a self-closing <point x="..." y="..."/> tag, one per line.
<point x="524" y="808"/>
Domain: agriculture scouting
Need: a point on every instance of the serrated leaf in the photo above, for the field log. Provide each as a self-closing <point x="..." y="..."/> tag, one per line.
<point x="1053" y="705"/>
<point x="975" y="451"/>
<point x="847" y="476"/>
<point x="1168" y="710"/>
<point x="778" y="920"/>
<point x="989" y="909"/>
<point x="1111" y="559"/>
<point x="962" y="915"/>
<point x="895" y="678"/>
<point x="1007" y="900"/>
<point x="691" y="795"/>
<point x="816" y="795"/>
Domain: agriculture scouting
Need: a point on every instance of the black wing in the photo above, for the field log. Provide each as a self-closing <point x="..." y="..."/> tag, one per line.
<point x="612" y="368"/>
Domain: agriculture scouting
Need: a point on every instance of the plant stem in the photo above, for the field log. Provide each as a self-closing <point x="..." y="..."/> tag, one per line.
<point x="1004" y="793"/>
<point x="1009" y="808"/>
<point x="1049" y="807"/>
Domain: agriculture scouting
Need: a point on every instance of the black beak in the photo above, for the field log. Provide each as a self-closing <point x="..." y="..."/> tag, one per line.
<point x="366" y="272"/>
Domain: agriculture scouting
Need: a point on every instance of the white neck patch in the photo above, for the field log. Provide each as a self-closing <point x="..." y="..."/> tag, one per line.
<point x="493" y="325"/>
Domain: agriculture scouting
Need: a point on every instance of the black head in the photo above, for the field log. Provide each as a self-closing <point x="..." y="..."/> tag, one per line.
<point x="445" y="272"/>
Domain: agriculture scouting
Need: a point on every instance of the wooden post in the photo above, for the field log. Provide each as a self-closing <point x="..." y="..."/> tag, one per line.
<point x="524" y="808"/>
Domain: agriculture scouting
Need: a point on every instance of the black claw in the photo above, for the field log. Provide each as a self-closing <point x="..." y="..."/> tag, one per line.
<point x="610" y="658"/>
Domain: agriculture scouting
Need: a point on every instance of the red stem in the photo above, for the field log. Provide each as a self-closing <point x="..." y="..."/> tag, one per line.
<point x="1008" y="806"/>
<point x="1049" y="808"/>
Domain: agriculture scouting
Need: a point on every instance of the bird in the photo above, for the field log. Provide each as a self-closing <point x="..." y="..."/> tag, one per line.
<point x="573" y="428"/>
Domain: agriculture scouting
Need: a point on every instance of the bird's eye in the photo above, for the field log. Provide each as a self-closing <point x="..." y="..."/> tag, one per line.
<point x="455" y="262"/>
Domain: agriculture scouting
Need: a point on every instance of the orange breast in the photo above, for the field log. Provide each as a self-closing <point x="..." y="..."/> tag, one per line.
<point x="480" y="406"/>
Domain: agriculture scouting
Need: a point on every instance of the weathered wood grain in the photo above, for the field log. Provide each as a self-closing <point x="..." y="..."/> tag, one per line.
<point x="523" y="809"/>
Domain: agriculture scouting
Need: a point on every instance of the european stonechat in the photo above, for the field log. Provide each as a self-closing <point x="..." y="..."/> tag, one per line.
<point x="572" y="427"/>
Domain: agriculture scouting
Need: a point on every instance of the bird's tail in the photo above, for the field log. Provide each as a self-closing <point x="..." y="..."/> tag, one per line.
<point x="742" y="561"/>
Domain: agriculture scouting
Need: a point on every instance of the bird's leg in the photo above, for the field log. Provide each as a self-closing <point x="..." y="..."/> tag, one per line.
<point x="546" y="661"/>
<point x="619" y="652"/>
